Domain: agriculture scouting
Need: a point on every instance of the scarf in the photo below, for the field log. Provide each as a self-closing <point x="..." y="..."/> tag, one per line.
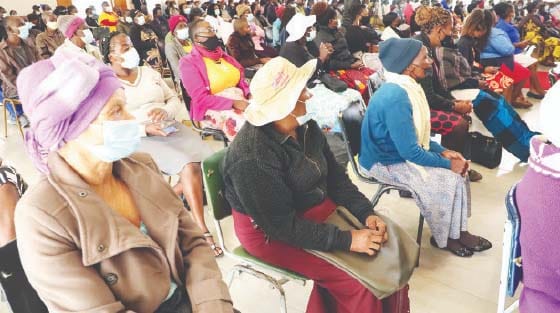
<point x="454" y="69"/>
<point x="419" y="103"/>
<point x="214" y="55"/>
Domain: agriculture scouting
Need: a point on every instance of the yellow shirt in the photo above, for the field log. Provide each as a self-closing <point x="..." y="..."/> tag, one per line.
<point x="108" y="20"/>
<point x="221" y="75"/>
<point x="188" y="47"/>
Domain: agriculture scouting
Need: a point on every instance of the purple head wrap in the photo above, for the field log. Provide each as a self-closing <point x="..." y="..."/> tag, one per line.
<point x="62" y="96"/>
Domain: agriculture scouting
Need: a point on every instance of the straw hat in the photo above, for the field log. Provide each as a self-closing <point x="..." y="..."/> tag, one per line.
<point x="275" y="89"/>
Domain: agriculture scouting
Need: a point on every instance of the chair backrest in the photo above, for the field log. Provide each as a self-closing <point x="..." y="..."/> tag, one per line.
<point x="553" y="77"/>
<point x="514" y="266"/>
<point x="214" y="185"/>
<point x="351" y="125"/>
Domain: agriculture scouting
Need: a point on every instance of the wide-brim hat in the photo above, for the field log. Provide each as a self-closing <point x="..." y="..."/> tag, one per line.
<point x="298" y="25"/>
<point x="276" y="88"/>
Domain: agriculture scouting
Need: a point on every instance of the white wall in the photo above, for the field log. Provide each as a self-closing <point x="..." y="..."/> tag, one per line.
<point x="23" y="7"/>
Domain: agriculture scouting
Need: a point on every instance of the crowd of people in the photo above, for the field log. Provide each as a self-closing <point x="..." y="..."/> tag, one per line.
<point x="272" y="76"/>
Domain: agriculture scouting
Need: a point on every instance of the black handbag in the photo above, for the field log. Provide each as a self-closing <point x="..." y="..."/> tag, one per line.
<point x="333" y="83"/>
<point x="486" y="151"/>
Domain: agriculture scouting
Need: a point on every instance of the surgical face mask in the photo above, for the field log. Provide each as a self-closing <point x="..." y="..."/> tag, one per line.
<point x="303" y="119"/>
<point x="250" y="17"/>
<point x="183" y="33"/>
<point x="131" y="59"/>
<point x="218" y="13"/>
<point x="23" y="32"/>
<point x="187" y="11"/>
<point x="52" y="25"/>
<point x="311" y="35"/>
<point x="108" y="9"/>
<point x="141" y="20"/>
<point x="339" y="24"/>
<point x="128" y="19"/>
<point x="120" y="139"/>
<point x="88" y="36"/>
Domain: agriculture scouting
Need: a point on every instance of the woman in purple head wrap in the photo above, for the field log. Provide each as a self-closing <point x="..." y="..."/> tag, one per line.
<point x="102" y="231"/>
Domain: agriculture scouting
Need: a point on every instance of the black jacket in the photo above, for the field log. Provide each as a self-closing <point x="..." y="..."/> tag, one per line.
<point x="341" y="58"/>
<point x="438" y="97"/>
<point x="273" y="178"/>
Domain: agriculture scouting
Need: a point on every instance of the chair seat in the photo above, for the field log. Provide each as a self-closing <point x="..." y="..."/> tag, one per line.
<point x="243" y="254"/>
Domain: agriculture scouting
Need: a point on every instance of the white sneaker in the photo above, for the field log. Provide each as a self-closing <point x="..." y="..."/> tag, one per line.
<point x="11" y="121"/>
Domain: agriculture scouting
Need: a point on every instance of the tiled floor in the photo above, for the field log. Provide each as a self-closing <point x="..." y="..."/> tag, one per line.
<point x="442" y="284"/>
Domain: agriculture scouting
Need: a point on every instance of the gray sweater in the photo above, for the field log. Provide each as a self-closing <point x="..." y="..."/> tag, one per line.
<point x="273" y="178"/>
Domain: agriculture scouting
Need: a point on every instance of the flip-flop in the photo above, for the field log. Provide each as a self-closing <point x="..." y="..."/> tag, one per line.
<point x="461" y="252"/>
<point x="218" y="252"/>
<point x="535" y="95"/>
<point x="482" y="245"/>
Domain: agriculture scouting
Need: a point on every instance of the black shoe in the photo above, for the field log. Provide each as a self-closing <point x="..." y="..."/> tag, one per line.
<point x="482" y="245"/>
<point x="461" y="252"/>
<point x="474" y="176"/>
<point x="535" y="96"/>
<point x="405" y="194"/>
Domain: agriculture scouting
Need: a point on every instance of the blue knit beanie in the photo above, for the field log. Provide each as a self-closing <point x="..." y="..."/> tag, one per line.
<point x="396" y="54"/>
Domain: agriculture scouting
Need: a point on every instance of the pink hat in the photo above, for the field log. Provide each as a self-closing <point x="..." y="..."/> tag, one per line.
<point x="174" y="20"/>
<point x="69" y="24"/>
<point x="62" y="96"/>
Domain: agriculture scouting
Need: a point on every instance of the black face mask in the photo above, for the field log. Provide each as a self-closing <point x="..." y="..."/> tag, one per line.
<point x="211" y="43"/>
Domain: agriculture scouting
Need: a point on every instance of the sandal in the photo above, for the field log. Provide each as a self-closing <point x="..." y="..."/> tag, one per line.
<point x="218" y="252"/>
<point x="482" y="245"/>
<point x="461" y="252"/>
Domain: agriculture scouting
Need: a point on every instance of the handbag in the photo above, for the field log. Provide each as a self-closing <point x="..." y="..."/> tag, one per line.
<point x="383" y="274"/>
<point x="486" y="151"/>
<point x="332" y="82"/>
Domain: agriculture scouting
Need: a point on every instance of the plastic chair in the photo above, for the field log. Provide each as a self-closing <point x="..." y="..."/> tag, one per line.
<point x="350" y="121"/>
<point x="11" y="102"/>
<point x="553" y="77"/>
<point x="511" y="272"/>
<point x="203" y="131"/>
<point x="220" y="209"/>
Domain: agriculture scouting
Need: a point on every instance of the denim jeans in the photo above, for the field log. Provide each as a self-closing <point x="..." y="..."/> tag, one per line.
<point x="19" y="109"/>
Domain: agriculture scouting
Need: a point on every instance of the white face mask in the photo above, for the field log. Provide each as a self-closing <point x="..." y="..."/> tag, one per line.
<point x="218" y="13"/>
<point x="88" y="36"/>
<point x="183" y="33"/>
<point x="187" y="11"/>
<point x="250" y="17"/>
<point x="131" y="59"/>
<point x="312" y="35"/>
<point x="108" y="9"/>
<point x="303" y="118"/>
<point x="52" y="25"/>
<point x="128" y="19"/>
<point x="339" y="24"/>
<point x="23" y="32"/>
<point x="140" y="20"/>
<point x="120" y="139"/>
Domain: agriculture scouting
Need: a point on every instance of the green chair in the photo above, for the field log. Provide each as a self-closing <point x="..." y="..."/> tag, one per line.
<point x="220" y="209"/>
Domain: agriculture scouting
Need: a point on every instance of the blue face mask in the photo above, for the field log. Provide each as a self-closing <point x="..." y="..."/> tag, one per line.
<point x="120" y="139"/>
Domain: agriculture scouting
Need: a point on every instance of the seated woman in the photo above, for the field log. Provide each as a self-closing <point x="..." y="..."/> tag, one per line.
<point x="391" y="21"/>
<point x="178" y="45"/>
<point x="287" y="16"/>
<point x="215" y="81"/>
<point x="78" y="35"/>
<point x="110" y="228"/>
<point x="498" y="51"/>
<point x="533" y="28"/>
<point x="538" y="203"/>
<point x="396" y="149"/>
<point x="506" y="13"/>
<point x="176" y="149"/>
<point x="21" y="297"/>
<point x="283" y="182"/>
<point x="361" y="40"/>
<point x="257" y="32"/>
<point x="448" y="115"/>
<point x="341" y="62"/>
<point x="241" y="46"/>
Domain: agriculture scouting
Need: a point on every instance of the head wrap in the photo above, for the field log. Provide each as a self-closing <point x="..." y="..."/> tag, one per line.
<point x="174" y="20"/>
<point x="429" y="17"/>
<point x="62" y="96"/>
<point x="69" y="24"/>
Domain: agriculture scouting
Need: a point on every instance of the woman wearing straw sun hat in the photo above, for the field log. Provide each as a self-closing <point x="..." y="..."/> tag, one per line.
<point x="285" y="187"/>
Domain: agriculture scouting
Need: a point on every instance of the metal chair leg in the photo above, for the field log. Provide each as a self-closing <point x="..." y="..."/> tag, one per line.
<point x="5" y="119"/>
<point x="419" y="237"/>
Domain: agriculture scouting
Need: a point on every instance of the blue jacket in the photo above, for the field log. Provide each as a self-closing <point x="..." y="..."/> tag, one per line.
<point x="511" y="31"/>
<point x="499" y="45"/>
<point x="388" y="133"/>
